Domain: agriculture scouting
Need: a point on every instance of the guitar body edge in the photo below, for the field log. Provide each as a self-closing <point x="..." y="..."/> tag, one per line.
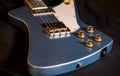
<point x="70" y="66"/>
<point x="61" y="55"/>
<point x="60" y="68"/>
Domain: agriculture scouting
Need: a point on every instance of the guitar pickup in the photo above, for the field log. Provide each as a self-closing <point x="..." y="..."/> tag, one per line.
<point x="56" y="30"/>
<point x="42" y="11"/>
<point x="38" y="7"/>
<point x="36" y="4"/>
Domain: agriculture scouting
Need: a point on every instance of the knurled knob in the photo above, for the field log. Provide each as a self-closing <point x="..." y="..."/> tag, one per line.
<point x="98" y="38"/>
<point x="90" y="29"/>
<point x="81" y="34"/>
<point x="89" y="43"/>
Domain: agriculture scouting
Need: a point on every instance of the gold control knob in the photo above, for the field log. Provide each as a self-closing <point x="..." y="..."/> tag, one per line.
<point x="81" y="34"/>
<point x="90" y="29"/>
<point x="98" y="38"/>
<point x="68" y="2"/>
<point x="89" y="43"/>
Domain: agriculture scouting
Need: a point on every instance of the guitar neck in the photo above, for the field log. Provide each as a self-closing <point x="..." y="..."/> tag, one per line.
<point x="36" y="4"/>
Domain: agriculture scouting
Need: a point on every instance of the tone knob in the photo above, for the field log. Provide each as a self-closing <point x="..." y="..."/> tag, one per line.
<point x="89" y="43"/>
<point x="81" y="34"/>
<point x="90" y="29"/>
<point x="98" y="38"/>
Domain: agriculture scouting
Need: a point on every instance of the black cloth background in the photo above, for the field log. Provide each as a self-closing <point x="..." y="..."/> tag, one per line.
<point x="14" y="41"/>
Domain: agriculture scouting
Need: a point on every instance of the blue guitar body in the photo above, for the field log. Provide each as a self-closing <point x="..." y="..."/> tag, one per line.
<point x="57" y="56"/>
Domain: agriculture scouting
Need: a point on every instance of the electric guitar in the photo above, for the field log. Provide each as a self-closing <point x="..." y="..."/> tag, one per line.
<point x="59" y="41"/>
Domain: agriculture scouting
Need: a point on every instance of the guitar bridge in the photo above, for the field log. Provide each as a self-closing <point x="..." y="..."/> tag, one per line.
<point x="56" y="30"/>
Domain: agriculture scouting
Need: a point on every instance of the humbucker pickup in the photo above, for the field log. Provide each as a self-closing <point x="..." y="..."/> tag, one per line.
<point x="36" y="4"/>
<point x="42" y="11"/>
<point x="56" y="30"/>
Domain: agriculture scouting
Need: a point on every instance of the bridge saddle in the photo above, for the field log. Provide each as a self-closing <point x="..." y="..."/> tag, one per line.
<point x="56" y="30"/>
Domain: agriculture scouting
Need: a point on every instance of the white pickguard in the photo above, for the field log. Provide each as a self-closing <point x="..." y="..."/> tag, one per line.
<point x="66" y="14"/>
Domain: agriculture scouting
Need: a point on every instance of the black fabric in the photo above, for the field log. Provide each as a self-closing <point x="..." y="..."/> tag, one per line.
<point x="6" y="5"/>
<point x="14" y="41"/>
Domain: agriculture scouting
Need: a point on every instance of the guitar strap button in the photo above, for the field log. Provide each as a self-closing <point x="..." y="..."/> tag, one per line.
<point x="79" y="65"/>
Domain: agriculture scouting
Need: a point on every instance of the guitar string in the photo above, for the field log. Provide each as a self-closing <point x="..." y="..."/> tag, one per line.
<point x="44" y="22"/>
<point x="29" y="3"/>
<point x="54" y="20"/>
<point x="50" y="20"/>
<point x="45" y="19"/>
<point x="60" y="23"/>
<point x="53" y="16"/>
<point x="58" y="26"/>
<point x="58" y="20"/>
<point x="34" y="5"/>
<point x="36" y="2"/>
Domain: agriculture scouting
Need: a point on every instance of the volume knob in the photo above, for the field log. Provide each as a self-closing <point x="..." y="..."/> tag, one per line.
<point x="89" y="43"/>
<point x="98" y="38"/>
<point x="81" y="34"/>
<point x="90" y="29"/>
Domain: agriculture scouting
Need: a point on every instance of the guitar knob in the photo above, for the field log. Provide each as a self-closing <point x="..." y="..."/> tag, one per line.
<point x="68" y="2"/>
<point x="98" y="38"/>
<point x="89" y="43"/>
<point x="81" y="34"/>
<point x="90" y="29"/>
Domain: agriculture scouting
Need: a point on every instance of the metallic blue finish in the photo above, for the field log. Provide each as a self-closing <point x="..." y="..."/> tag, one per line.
<point x="109" y="48"/>
<point x="66" y="68"/>
<point x="56" y="56"/>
